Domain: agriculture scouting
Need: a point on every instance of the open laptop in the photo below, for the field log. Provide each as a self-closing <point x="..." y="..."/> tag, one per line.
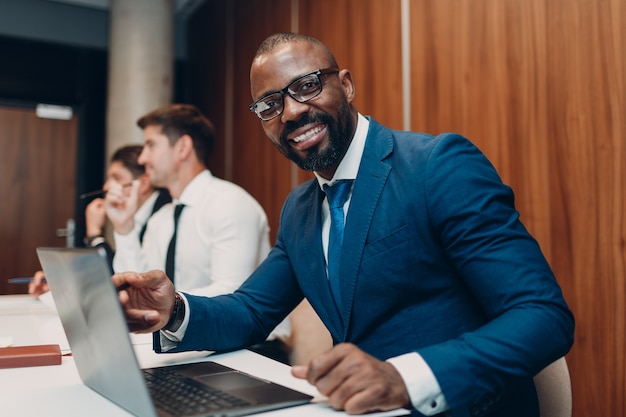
<point x="87" y="303"/>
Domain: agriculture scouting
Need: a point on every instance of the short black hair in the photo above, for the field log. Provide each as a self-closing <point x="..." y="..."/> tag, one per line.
<point x="280" y="38"/>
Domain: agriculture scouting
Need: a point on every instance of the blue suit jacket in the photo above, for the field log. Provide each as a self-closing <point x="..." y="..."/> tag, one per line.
<point x="435" y="260"/>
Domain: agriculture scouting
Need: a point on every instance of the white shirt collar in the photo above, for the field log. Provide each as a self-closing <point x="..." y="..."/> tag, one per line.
<point x="349" y="165"/>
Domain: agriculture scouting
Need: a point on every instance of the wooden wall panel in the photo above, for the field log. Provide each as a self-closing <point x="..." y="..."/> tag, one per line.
<point x="365" y="38"/>
<point x="588" y="167"/>
<point x="540" y="86"/>
<point x="257" y="165"/>
<point x="38" y="184"/>
<point x="360" y="34"/>
<point x="219" y="76"/>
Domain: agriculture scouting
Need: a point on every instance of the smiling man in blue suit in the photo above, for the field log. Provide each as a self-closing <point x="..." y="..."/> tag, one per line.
<point x="437" y="300"/>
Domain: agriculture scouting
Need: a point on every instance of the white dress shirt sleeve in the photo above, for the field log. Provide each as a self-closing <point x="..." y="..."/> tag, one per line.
<point x="238" y="240"/>
<point x="424" y="390"/>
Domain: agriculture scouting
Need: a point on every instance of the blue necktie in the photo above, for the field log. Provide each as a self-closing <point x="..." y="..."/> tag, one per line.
<point x="171" y="249"/>
<point x="337" y="194"/>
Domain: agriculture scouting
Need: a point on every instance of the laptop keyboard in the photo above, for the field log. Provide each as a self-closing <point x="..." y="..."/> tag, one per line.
<point x="183" y="396"/>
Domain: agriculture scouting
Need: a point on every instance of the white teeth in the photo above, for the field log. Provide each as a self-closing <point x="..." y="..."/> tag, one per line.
<point x="309" y="133"/>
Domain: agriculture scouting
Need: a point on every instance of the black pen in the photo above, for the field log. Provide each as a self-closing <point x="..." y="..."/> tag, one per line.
<point x="23" y="280"/>
<point x="103" y="191"/>
<point x="28" y="280"/>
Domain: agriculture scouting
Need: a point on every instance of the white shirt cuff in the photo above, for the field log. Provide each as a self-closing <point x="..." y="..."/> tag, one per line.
<point x="424" y="391"/>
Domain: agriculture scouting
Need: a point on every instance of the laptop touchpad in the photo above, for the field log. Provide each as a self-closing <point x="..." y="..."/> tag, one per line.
<point x="229" y="381"/>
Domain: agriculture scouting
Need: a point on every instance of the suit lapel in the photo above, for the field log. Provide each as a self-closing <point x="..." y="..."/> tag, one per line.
<point x="371" y="178"/>
<point x="315" y="271"/>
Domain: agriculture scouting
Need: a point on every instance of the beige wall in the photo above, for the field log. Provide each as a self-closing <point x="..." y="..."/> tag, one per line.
<point x="538" y="85"/>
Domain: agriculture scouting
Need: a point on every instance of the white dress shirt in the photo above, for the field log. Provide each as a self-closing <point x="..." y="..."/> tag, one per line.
<point x="143" y="213"/>
<point x="223" y="235"/>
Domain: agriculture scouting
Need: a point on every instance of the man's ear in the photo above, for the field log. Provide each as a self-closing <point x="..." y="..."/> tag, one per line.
<point x="184" y="146"/>
<point x="348" y="85"/>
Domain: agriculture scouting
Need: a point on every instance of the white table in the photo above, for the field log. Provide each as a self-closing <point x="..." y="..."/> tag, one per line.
<point x="58" y="390"/>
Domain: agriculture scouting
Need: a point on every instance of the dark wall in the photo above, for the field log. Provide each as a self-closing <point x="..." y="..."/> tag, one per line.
<point x="38" y="72"/>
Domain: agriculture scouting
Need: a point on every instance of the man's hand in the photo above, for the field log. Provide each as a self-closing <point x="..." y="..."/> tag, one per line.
<point x="121" y="204"/>
<point x="147" y="299"/>
<point x="355" y="381"/>
<point x="95" y="217"/>
<point x="39" y="285"/>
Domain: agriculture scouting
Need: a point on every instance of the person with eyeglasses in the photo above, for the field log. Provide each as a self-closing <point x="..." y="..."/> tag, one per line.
<point x="123" y="170"/>
<point x="212" y="235"/>
<point x="437" y="297"/>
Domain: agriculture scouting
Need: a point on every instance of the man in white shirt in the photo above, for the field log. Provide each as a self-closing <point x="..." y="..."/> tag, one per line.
<point x="222" y="234"/>
<point x="123" y="171"/>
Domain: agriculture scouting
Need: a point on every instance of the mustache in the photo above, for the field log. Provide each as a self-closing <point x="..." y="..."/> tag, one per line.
<point x="305" y="119"/>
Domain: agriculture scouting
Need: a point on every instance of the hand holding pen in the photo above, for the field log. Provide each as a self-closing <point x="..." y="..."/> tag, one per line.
<point x="38" y="285"/>
<point x="95" y="218"/>
<point x="103" y="191"/>
<point x="121" y="203"/>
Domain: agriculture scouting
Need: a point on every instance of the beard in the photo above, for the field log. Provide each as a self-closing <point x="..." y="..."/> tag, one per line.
<point x="340" y="131"/>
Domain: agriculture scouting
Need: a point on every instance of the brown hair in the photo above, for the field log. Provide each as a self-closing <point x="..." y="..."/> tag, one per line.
<point x="177" y="120"/>
<point x="128" y="156"/>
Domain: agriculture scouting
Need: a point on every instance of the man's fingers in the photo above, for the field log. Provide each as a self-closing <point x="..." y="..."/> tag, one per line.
<point x="362" y="394"/>
<point x="355" y="381"/>
<point x="38" y="286"/>
<point x="326" y="362"/>
<point x="299" y="371"/>
<point x="367" y="401"/>
<point x="142" y="321"/>
<point x="124" y="278"/>
<point x="148" y="279"/>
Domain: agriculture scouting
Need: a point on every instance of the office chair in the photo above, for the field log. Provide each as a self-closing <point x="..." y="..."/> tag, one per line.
<point x="554" y="390"/>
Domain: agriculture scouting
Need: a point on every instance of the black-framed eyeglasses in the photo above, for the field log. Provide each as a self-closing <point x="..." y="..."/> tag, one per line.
<point x="302" y="89"/>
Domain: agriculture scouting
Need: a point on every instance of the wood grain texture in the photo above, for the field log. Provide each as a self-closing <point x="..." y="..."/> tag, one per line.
<point x="540" y="86"/>
<point x="38" y="184"/>
<point x="365" y="38"/>
<point x="224" y="36"/>
<point x="258" y="166"/>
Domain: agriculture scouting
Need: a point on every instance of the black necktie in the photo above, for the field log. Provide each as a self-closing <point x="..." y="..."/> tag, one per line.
<point x="171" y="249"/>
<point x="337" y="194"/>
<point x="143" y="232"/>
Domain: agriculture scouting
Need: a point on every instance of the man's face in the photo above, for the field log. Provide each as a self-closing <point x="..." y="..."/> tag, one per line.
<point x="158" y="157"/>
<point x="314" y="134"/>
<point x="117" y="173"/>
